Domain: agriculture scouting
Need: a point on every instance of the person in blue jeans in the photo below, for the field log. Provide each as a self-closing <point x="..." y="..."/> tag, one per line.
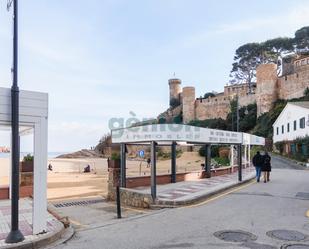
<point x="258" y="161"/>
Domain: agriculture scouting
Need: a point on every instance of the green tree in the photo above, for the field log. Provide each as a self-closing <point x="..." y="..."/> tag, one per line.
<point x="273" y="48"/>
<point x="246" y="59"/>
<point x="301" y="39"/>
<point x="209" y="94"/>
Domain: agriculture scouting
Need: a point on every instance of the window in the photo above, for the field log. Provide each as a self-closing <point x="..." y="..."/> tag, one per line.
<point x="295" y="125"/>
<point x="288" y="127"/>
<point x="282" y="129"/>
<point x="302" y="123"/>
<point x="277" y="130"/>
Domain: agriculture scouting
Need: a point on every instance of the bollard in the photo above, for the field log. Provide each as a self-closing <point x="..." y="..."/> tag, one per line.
<point x="118" y="202"/>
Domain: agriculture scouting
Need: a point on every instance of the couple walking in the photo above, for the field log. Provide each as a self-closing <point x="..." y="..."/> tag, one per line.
<point x="262" y="164"/>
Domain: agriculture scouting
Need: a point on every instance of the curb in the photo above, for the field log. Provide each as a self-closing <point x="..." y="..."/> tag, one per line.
<point x="66" y="236"/>
<point x="174" y="204"/>
<point x="40" y="242"/>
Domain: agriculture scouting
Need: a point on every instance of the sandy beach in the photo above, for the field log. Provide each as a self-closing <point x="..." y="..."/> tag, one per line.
<point x="67" y="180"/>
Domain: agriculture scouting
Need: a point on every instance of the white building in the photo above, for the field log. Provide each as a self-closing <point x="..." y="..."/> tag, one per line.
<point x="292" y="123"/>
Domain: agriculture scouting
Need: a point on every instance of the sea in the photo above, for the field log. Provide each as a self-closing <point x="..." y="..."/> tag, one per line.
<point x="50" y="155"/>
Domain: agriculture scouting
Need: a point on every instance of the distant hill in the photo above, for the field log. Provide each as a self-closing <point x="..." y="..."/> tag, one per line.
<point x="82" y="154"/>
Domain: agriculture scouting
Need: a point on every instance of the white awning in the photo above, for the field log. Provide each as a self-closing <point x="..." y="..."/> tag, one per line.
<point x="167" y="133"/>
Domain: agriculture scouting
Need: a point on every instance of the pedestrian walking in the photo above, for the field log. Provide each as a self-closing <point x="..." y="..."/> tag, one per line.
<point x="148" y="162"/>
<point x="258" y="162"/>
<point x="266" y="167"/>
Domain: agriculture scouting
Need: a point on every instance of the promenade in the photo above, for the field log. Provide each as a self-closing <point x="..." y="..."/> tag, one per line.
<point x="187" y="192"/>
<point x="54" y="227"/>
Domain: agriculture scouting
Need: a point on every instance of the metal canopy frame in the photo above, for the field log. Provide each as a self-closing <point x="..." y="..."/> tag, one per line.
<point x="172" y="134"/>
<point x="33" y="118"/>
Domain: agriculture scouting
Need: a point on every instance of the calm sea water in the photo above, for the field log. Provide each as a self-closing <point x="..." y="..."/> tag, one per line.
<point x="22" y="154"/>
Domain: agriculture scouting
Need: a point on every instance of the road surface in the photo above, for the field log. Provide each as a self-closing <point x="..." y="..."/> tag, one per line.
<point x="257" y="208"/>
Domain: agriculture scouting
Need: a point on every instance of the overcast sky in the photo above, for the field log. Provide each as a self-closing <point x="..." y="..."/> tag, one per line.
<point x="100" y="59"/>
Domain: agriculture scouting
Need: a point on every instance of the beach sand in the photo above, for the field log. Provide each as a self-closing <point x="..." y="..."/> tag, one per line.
<point x="67" y="180"/>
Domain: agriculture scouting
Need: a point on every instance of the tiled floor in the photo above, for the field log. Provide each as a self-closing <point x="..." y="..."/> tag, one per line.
<point x="25" y="220"/>
<point x="201" y="185"/>
<point x="189" y="189"/>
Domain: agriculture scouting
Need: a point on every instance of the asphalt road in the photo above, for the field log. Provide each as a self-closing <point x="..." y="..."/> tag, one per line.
<point x="279" y="162"/>
<point x="256" y="208"/>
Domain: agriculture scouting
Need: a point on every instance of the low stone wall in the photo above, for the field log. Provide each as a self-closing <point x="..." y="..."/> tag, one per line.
<point x="144" y="181"/>
<point x="24" y="191"/>
<point x="130" y="197"/>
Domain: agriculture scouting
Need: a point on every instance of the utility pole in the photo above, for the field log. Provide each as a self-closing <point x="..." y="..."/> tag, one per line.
<point x="237" y="113"/>
<point x="15" y="234"/>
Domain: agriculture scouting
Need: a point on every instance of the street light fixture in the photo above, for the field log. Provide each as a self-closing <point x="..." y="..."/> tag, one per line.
<point x="15" y="234"/>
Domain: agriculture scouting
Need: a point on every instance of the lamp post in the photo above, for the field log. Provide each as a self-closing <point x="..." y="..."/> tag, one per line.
<point x="15" y="234"/>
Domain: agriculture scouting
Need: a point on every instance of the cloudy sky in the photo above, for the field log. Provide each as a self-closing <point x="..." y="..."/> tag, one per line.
<point x="100" y="59"/>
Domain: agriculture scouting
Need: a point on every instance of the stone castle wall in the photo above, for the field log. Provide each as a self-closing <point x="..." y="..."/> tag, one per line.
<point x="293" y="85"/>
<point x="188" y="104"/>
<point x="268" y="88"/>
<point x="210" y="108"/>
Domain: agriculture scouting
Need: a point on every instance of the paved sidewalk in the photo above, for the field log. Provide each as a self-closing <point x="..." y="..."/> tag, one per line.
<point x="186" y="192"/>
<point x="25" y="223"/>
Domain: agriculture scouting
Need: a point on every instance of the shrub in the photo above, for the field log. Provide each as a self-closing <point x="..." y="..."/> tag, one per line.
<point x="279" y="146"/>
<point x="214" y="151"/>
<point x="223" y="161"/>
<point x="115" y="156"/>
<point x="28" y="158"/>
<point x="209" y="94"/>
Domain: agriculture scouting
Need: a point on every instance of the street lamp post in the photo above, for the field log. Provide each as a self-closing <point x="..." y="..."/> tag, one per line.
<point x="15" y="234"/>
<point x="237" y="114"/>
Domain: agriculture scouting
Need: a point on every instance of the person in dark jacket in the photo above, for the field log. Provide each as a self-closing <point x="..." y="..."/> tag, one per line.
<point x="258" y="161"/>
<point x="266" y="168"/>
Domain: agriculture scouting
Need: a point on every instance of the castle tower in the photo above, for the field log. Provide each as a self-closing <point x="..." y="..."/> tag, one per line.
<point x="266" y="87"/>
<point x="175" y="90"/>
<point x="188" y="104"/>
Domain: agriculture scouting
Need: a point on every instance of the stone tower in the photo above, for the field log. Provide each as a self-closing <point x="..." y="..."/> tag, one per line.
<point x="175" y="89"/>
<point x="266" y="87"/>
<point x="188" y="104"/>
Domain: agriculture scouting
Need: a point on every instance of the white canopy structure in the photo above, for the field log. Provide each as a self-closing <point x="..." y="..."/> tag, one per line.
<point x="173" y="134"/>
<point x="33" y="118"/>
<point x="168" y="133"/>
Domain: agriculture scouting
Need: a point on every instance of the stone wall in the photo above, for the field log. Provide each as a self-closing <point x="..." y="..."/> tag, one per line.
<point x="24" y="191"/>
<point x="218" y="108"/>
<point x="293" y="85"/>
<point x="188" y="104"/>
<point x="130" y="197"/>
<point x="247" y="99"/>
<point x="266" y="87"/>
